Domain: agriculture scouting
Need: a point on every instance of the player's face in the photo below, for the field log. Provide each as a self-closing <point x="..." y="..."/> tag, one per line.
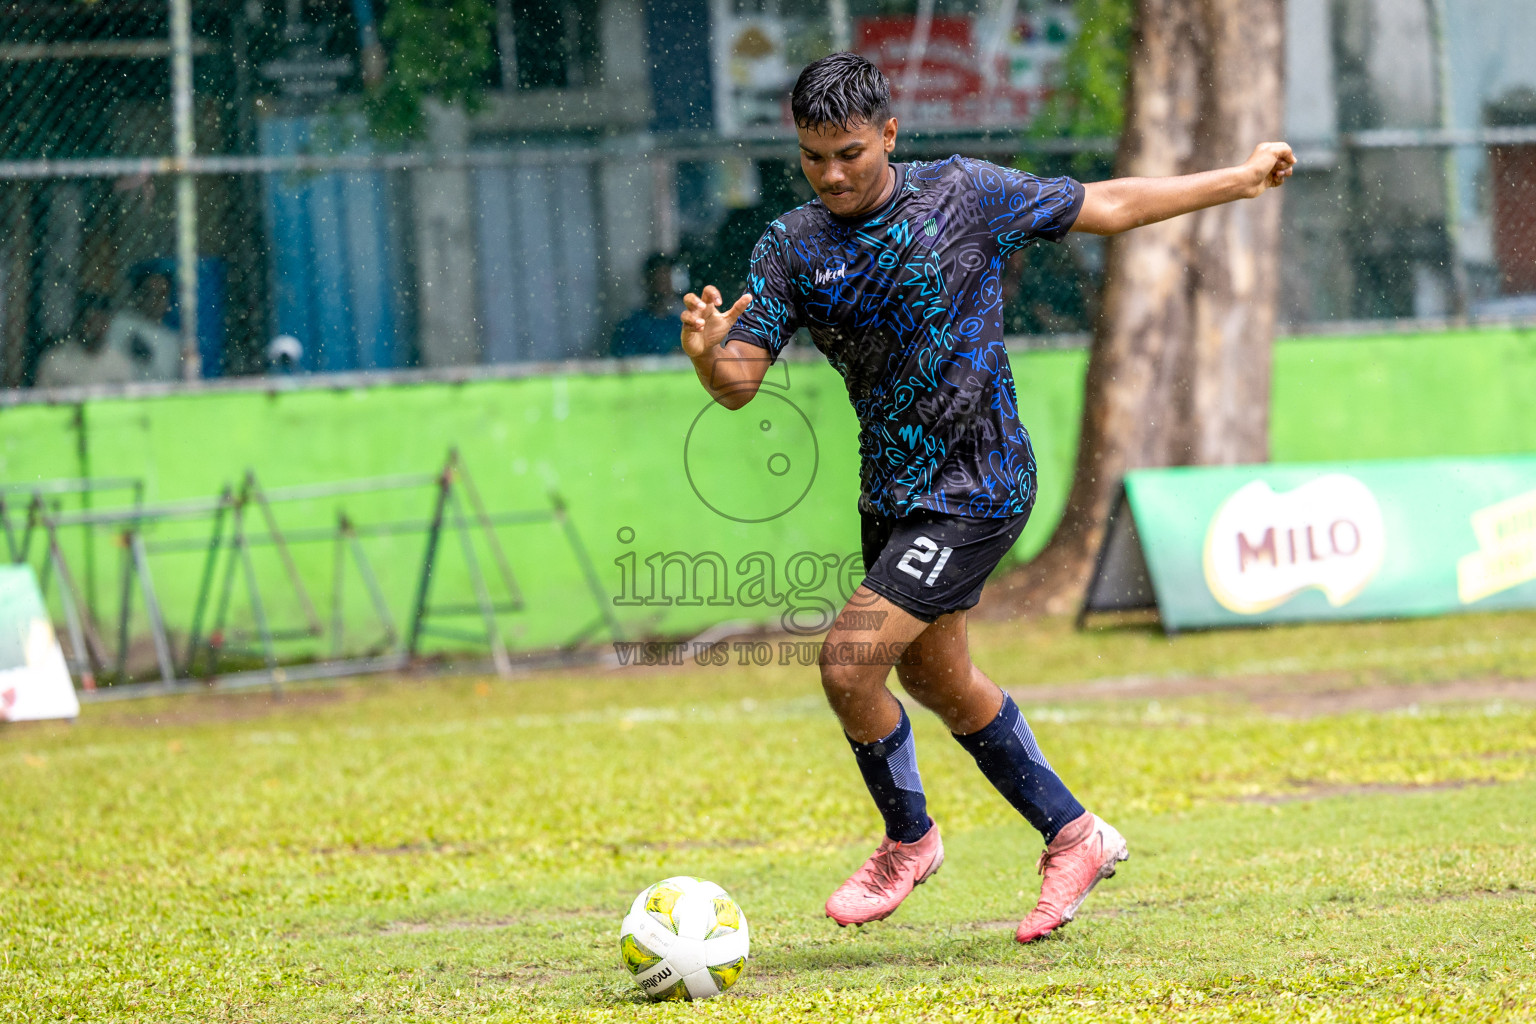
<point x="847" y="168"/>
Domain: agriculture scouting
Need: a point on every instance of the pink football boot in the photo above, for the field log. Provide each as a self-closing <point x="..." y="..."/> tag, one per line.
<point x="877" y="888"/>
<point x="1085" y="852"/>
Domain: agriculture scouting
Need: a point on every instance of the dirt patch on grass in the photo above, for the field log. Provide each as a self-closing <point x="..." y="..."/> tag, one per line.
<point x="1298" y="696"/>
<point x="694" y="844"/>
<point x="492" y="923"/>
<point x="1511" y="893"/>
<point x="214" y="708"/>
<point x="1087" y="913"/>
<point x="429" y="927"/>
<point x="991" y="926"/>
<point x="1361" y="789"/>
<point x="527" y="975"/>
<point x="403" y="850"/>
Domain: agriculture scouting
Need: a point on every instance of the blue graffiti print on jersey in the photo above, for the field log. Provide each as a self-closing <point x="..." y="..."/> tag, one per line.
<point x="906" y="303"/>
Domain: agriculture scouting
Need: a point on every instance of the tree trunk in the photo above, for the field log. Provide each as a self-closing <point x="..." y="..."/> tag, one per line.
<point x="1179" y="373"/>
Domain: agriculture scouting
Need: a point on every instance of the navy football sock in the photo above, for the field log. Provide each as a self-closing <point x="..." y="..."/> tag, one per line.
<point x="1007" y="754"/>
<point x="889" y="767"/>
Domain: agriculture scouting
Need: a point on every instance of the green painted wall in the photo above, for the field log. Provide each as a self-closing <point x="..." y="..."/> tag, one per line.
<point x="38" y="442"/>
<point x="1456" y="393"/>
<point x="636" y="457"/>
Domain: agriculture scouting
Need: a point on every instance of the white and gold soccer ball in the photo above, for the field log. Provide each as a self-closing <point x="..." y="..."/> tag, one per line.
<point x="684" y="938"/>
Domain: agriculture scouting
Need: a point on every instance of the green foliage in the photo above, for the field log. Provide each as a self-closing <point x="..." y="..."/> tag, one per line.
<point x="438" y="49"/>
<point x="1089" y="103"/>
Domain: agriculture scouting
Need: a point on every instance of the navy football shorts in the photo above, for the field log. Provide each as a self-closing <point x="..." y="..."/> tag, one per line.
<point x="929" y="563"/>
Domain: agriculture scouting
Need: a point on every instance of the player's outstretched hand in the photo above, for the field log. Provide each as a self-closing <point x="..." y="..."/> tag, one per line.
<point x="704" y="325"/>
<point x="1269" y="166"/>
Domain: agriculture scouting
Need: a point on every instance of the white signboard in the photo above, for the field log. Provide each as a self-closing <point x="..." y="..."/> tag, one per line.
<point x="34" y="681"/>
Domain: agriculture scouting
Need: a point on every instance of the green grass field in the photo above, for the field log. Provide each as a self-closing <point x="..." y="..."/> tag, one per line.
<point x="1326" y="823"/>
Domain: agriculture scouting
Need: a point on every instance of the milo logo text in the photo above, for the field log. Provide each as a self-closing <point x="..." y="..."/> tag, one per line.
<point x="1263" y="548"/>
<point x="1340" y="539"/>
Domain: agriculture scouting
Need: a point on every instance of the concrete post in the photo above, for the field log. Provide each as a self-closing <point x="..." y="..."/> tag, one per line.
<point x="445" y="248"/>
<point x="186" y="185"/>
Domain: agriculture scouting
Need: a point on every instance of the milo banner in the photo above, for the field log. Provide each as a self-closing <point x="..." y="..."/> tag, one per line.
<point x="34" y="681"/>
<point x="1241" y="545"/>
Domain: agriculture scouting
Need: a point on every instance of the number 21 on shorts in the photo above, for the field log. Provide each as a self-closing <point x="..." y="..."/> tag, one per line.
<point x="923" y="550"/>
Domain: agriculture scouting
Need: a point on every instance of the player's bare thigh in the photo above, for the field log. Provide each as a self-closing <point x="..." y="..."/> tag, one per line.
<point x="869" y="636"/>
<point x="938" y="672"/>
<point x="866" y="639"/>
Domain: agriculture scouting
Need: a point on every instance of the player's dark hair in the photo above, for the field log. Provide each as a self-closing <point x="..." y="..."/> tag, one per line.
<point x="843" y="90"/>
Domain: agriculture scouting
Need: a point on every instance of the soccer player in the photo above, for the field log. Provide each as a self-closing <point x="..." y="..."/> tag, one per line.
<point x="895" y="269"/>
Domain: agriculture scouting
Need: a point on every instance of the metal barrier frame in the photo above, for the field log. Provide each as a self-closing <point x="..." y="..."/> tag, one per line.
<point x="230" y="543"/>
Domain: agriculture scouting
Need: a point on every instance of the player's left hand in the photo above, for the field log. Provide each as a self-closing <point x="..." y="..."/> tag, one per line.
<point x="1269" y="166"/>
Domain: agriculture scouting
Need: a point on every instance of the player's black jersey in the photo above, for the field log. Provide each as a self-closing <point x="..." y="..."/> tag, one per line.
<point x="906" y="302"/>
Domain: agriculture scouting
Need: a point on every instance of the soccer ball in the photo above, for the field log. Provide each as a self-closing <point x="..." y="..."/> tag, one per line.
<point x="684" y="938"/>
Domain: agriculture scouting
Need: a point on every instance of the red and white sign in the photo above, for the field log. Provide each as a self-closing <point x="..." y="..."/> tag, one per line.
<point x="953" y="86"/>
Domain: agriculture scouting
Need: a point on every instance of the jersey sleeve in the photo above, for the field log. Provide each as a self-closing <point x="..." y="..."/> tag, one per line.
<point x="1016" y="207"/>
<point x="772" y="319"/>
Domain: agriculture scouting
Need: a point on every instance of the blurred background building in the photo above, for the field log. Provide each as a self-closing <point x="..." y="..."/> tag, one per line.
<point x="392" y="184"/>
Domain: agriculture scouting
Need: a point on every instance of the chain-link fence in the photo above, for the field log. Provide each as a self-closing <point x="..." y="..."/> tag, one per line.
<point x="211" y="189"/>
